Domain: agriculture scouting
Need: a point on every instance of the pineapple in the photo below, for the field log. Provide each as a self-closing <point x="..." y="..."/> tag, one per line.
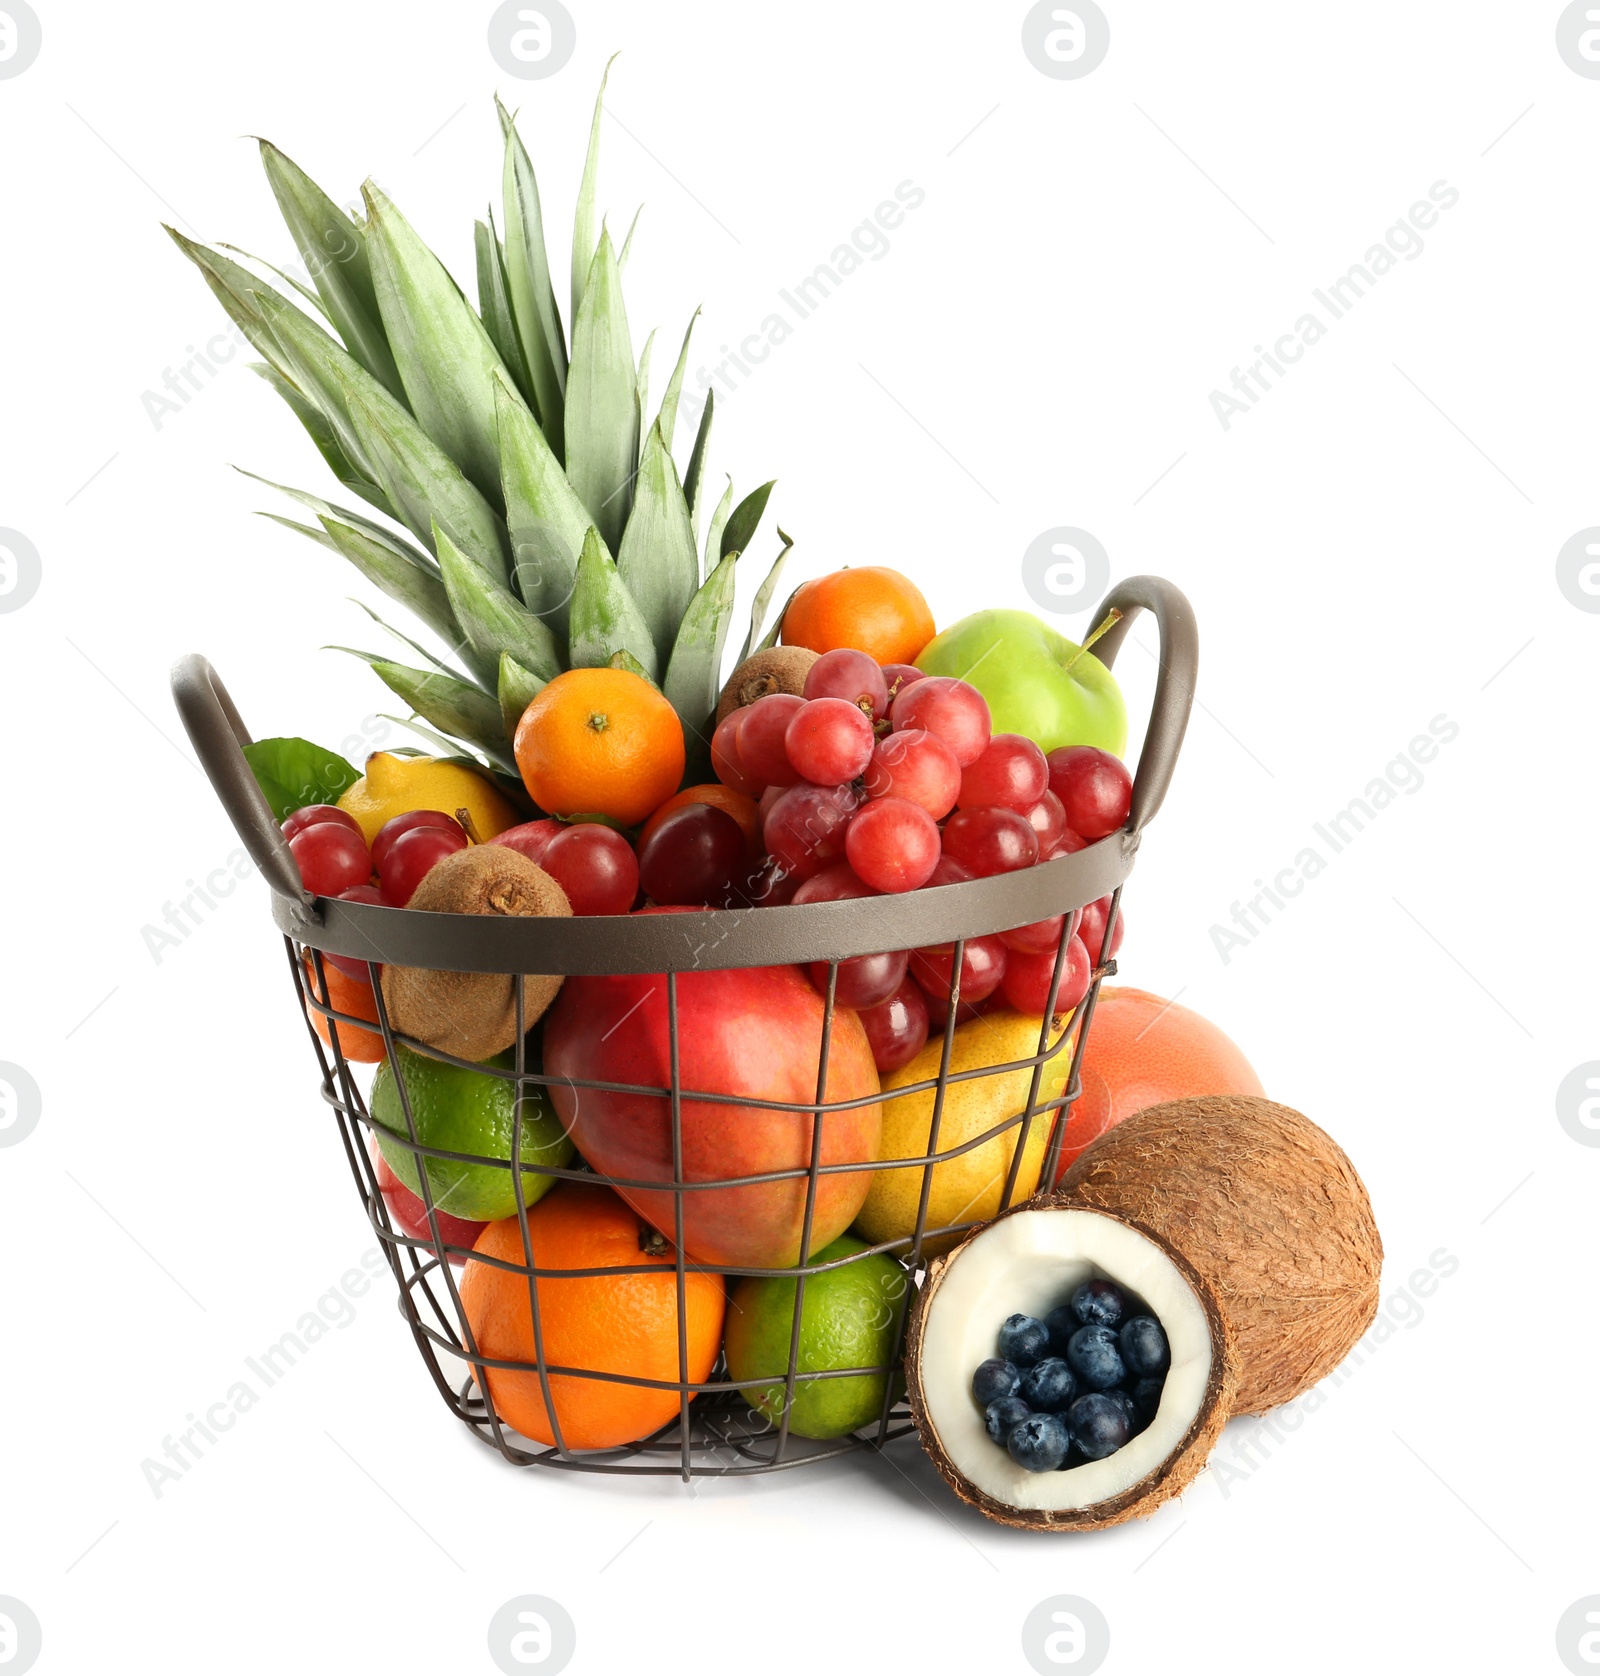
<point x="549" y="527"/>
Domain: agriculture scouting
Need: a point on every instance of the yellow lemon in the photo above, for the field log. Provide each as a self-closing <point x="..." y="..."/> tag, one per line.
<point x="968" y="1187"/>
<point x="395" y="785"/>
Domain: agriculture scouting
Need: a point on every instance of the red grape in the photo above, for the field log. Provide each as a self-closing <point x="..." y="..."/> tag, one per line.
<point x="1093" y="929"/>
<point x="983" y="964"/>
<point x="829" y="741"/>
<point x="1047" y="819"/>
<point x="531" y="839"/>
<point x="596" y="867"/>
<point x="348" y="964"/>
<point x="1069" y="843"/>
<point x="899" y="676"/>
<point x="412" y="856"/>
<point x="694" y="858"/>
<point x="805" y="829"/>
<point x="1026" y="983"/>
<point x="867" y="980"/>
<point x="331" y="858"/>
<point x="765" y="885"/>
<point x="893" y="844"/>
<point x="409" y="822"/>
<point x="991" y="841"/>
<point x="918" y="766"/>
<point x="760" y="739"/>
<point x="1041" y="934"/>
<point x="838" y="883"/>
<point x="955" y="711"/>
<point x="319" y="814"/>
<point x="852" y="676"/>
<point x="1095" y="789"/>
<point x="726" y="762"/>
<point x="949" y="872"/>
<point x="897" y="1030"/>
<point x="939" y="1009"/>
<point x="1010" y="774"/>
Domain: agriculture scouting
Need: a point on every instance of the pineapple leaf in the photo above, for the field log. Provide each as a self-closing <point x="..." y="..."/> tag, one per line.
<point x="239" y="291"/>
<point x="326" y="509"/>
<point x="697" y="464"/>
<point x="324" y="436"/>
<point x="334" y="251"/>
<point x="604" y="618"/>
<point x="740" y="529"/>
<point x="770" y="638"/>
<point x="583" y="217"/>
<point x="494" y="307"/>
<point x="625" y="660"/>
<point x="600" y="421"/>
<point x="667" y="419"/>
<point x="451" y="705"/>
<point x="627" y="243"/>
<point x="406" y="640"/>
<point x="517" y="690"/>
<point x="719" y="522"/>
<point x="657" y="560"/>
<point x="546" y="519"/>
<point x="446" y="357"/>
<point x="758" y="606"/>
<point x="694" y="676"/>
<point x="641" y="390"/>
<point x="277" y="273"/>
<point x="533" y="298"/>
<point x="493" y="619"/>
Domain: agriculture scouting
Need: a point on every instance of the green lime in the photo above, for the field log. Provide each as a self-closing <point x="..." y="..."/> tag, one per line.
<point x="848" y="1319"/>
<point x="458" y="1110"/>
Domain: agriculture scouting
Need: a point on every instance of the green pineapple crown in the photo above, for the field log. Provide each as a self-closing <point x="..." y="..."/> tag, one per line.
<point x="555" y="530"/>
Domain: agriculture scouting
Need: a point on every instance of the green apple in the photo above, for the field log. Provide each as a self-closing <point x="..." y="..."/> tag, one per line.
<point x="1037" y="682"/>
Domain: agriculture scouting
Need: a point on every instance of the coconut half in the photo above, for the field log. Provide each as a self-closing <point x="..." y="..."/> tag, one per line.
<point x="1029" y="1260"/>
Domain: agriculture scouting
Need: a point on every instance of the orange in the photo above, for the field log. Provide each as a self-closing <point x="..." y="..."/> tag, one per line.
<point x="346" y="995"/>
<point x="600" y="742"/>
<point x="871" y="609"/>
<point x="622" y="1324"/>
<point x="744" y="809"/>
<point x="1143" y="1051"/>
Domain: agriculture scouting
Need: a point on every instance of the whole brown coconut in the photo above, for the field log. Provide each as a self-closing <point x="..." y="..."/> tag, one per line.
<point x="1268" y="1209"/>
<point x="473" y="1015"/>
<point x="1030" y="1258"/>
<point x="779" y="669"/>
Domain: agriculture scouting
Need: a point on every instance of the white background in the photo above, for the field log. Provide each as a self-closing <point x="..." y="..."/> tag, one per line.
<point x="1372" y="546"/>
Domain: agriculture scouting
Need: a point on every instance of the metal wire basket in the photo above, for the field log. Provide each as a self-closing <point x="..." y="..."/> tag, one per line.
<point x="715" y="1433"/>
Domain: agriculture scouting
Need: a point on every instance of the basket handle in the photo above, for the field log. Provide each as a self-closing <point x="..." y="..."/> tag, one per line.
<point x="218" y="734"/>
<point x="1179" y="663"/>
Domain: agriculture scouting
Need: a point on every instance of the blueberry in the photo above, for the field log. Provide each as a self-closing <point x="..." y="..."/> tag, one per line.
<point x="1144" y="1346"/>
<point x="1001" y="1415"/>
<point x="1092" y="1354"/>
<point x="1097" y="1303"/>
<point x="1049" y="1386"/>
<point x="1063" y="1323"/>
<point x="1023" y="1340"/>
<point x="1039" y="1443"/>
<point x="1098" y="1425"/>
<point x="993" y="1380"/>
<point x="1130" y="1410"/>
<point x="1147" y="1397"/>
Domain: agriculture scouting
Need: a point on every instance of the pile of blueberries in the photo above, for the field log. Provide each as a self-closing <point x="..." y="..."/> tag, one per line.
<point x="1075" y="1386"/>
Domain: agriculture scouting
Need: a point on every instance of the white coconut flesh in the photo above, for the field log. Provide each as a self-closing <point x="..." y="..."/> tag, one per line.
<point x="1029" y="1263"/>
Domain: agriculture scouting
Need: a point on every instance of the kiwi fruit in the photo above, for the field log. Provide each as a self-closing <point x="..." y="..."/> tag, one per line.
<point x="779" y="669"/>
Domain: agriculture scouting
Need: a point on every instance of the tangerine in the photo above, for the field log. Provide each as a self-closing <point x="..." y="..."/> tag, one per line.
<point x="744" y="810"/>
<point x="345" y="995"/>
<point x="619" y="1324"/>
<point x="869" y="609"/>
<point x="600" y="742"/>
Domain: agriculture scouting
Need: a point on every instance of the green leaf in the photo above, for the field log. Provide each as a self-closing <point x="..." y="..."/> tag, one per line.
<point x="322" y="435"/>
<point x="667" y="418"/>
<point x="758" y="606"/>
<point x="334" y="251"/>
<point x="406" y="641"/>
<point x="604" y="618"/>
<point x="491" y="616"/>
<point x="272" y="268"/>
<point x="740" y="529"/>
<point x="600" y="417"/>
<point x="694" y="676"/>
<point x="293" y="773"/>
<point x="446" y="358"/>
<point x="455" y="707"/>
<point x="326" y="509"/>
<point x="583" y="217"/>
<point x="697" y="464"/>
<point x="627" y="661"/>
<point x="237" y="289"/>
<point x="641" y="393"/>
<point x="494" y="307"/>
<point x="546" y="519"/>
<point x="656" y="560"/>
<point x="627" y="243"/>
<point x="719" y="522"/>
<point x="517" y="690"/>
<point x="533" y="298"/>
<point x="770" y="638"/>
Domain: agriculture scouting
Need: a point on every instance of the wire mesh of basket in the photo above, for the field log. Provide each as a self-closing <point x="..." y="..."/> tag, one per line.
<point x="702" y="1422"/>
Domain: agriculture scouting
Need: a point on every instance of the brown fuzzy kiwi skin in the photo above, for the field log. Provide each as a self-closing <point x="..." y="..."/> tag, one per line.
<point x="473" y="1015"/>
<point x="1273" y="1214"/>
<point x="779" y="669"/>
<point x="1138" y="1501"/>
